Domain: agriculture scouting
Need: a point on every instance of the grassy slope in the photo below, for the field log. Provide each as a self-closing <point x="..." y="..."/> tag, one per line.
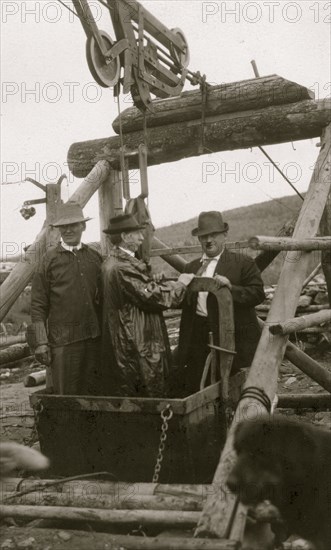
<point x="265" y="218"/>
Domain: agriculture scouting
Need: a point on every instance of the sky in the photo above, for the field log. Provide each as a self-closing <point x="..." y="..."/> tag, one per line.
<point x="50" y="100"/>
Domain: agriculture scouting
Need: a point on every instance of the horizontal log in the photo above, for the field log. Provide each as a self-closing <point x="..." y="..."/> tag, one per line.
<point x="196" y="249"/>
<point x="287" y="243"/>
<point x="13" y="353"/>
<point x="10" y="339"/>
<point x="35" y="379"/>
<point x="225" y="132"/>
<point x="299" y="323"/>
<point x="255" y="93"/>
<point x="320" y="401"/>
<point x="109" y="502"/>
<point x="124" y="517"/>
<point x="95" y="487"/>
<point x="85" y="540"/>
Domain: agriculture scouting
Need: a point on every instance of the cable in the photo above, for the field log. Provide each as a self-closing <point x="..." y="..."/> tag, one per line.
<point x="69" y="9"/>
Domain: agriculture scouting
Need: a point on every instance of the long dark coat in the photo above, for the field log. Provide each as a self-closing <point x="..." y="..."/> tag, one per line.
<point x="137" y="357"/>
<point x="247" y="292"/>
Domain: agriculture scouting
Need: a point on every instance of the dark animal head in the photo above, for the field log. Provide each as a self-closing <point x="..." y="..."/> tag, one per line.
<point x="275" y="458"/>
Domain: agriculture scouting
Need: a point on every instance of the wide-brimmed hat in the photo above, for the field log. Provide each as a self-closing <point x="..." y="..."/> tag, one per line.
<point x="70" y="212"/>
<point x="122" y="224"/>
<point x="210" y="222"/>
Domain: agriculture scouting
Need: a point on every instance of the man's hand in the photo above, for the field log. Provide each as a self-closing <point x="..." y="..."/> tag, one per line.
<point x="222" y="281"/>
<point x="186" y="278"/>
<point x="43" y="354"/>
<point x="158" y="277"/>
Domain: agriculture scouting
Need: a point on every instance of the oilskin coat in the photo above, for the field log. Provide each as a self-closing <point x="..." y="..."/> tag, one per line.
<point x="136" y="351"/>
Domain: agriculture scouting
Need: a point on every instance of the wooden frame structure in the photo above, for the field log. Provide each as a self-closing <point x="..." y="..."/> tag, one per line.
<point x="248" y="124"/>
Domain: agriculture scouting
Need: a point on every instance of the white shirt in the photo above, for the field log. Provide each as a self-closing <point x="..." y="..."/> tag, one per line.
<point x="208" y="272"/>
<point x="71" y="248"/>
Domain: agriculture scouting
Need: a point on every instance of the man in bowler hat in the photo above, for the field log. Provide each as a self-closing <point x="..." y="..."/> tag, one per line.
<point x="241" y="275"/>
<point x="65" y="308"/>
<point x="137" y="358"/>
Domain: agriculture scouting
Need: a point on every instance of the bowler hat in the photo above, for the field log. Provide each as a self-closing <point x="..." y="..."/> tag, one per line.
<point x="68" y="213"/>
<point x="210" y="222"/>
<point x="123" y="223"/>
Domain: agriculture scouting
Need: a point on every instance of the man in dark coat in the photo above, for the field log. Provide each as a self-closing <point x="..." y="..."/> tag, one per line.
<point x="65" y="309"/>
<point x="199" y="316"/>
<point x="137" y="358"/>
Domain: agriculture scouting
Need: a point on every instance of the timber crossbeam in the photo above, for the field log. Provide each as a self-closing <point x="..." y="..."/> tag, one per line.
<point x="222" y="132"/>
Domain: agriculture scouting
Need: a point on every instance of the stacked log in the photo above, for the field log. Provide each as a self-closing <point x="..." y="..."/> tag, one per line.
<point x="314" y="298"/>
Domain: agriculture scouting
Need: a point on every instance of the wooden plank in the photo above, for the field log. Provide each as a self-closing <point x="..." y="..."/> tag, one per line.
<point x="87" y="540"/>
<point x="262" y="242"/>
<point x="223" y="98"/>
<point x="225" y="132"/>
<point x="20" y="276"/>
<point x="218" y="511"/>
<point x="299" y="323"/>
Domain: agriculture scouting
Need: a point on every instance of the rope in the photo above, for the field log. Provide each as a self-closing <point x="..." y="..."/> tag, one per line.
<point x="258" y="394"/>
<point x="279" y="170"/>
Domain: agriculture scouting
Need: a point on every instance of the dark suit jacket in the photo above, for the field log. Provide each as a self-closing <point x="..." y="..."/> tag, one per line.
<point x="247" y="292"/>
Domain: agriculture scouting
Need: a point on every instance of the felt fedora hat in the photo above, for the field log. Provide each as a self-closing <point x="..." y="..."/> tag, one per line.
<point x="210" y="222"/>
<point x="124" y="223"/>
<point x="70" y="212"/>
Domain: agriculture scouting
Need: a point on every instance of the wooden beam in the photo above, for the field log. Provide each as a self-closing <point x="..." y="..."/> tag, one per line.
<point x="121" y="517"/>
<point x="174" y="260"/>
<point x="325" y="229"/>
<point x="224" y="132"/>
<point x="255" y="93"/>
<point x="299" y="323"/>
<point x="261" y="242"/>
<point x="320" y="401"/>
<point x="19" y="277"/>
<point x="219" y="510"/>
<point x="196" y="249"/>
<point x="110" y="204"/>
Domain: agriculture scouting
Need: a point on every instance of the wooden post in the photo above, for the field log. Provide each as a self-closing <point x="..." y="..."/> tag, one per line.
<point x="15" y="283"/>
<point x="53" y="199"/>
<point x="110" y="204"/>
<point x="325" y="229"/>
<point x="219" y="510"/>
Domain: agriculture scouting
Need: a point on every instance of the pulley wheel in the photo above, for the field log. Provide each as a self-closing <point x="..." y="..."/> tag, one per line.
<point x="182" y="57"/>
<point x="105" y="74"/>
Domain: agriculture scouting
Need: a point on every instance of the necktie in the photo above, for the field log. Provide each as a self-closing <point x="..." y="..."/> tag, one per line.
<point x="204" y="266"/>
<point x="75" y="250"/>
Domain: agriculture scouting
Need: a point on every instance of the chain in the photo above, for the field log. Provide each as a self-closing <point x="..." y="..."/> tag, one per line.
<point x="166" y="415"/>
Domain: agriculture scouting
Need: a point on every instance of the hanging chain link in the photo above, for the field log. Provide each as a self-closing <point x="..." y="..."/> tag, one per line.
<point x="166" y="415"/>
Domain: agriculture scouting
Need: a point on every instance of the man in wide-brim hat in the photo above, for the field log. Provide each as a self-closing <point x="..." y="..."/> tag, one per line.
<point x="65" y="308"/>
<point x="200" y="313"/>
<point x="137" y="358"/>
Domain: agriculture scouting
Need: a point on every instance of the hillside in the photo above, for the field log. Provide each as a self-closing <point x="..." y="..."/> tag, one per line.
<point x="265" y="218"/>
